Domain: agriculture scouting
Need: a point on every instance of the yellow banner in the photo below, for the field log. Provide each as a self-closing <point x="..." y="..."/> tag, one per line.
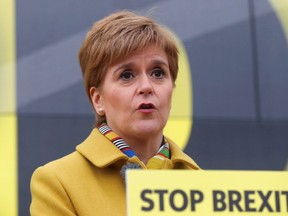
<point x="207" y="193"/>
<point x="8" y="109"/>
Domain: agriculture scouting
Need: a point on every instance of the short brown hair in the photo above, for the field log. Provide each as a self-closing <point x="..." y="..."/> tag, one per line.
<point x="118" y="35"/>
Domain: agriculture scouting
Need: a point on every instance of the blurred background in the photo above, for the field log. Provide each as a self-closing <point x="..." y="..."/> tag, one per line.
<point x="238" y="57"/>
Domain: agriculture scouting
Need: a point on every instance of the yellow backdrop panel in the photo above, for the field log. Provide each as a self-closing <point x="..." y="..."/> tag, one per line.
<point x="8" y="116"/>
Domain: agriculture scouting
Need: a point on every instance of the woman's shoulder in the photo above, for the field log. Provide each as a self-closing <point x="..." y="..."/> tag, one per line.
<point x="73" y="160"/>
<point x="70" y="160"/>
<point x="65" y="166"/>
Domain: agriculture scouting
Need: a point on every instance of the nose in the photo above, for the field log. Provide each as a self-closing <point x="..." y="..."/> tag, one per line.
<point x="145" y="85"/>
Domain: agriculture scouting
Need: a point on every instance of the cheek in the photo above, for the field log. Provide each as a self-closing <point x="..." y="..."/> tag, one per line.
<point x="170" y="101"/>
<point x="113" y="100"/>
<point x="169" y="92"/>
<point x="167" y="98"/>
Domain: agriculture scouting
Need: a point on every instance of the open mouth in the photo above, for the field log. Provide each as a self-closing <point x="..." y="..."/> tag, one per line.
<point x="146" y="106"/>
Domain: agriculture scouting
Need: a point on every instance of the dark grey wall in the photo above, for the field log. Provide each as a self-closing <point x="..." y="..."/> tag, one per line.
<point x="237" y="52"/>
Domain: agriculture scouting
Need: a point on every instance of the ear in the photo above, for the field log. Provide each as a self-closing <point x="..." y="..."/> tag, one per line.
<point x="96" y="99"/>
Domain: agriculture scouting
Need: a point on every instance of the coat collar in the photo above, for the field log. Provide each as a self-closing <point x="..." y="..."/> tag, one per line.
<point x="102" y="153"/>
<point x="178" y="156"/>
<point x="99" y="150"/>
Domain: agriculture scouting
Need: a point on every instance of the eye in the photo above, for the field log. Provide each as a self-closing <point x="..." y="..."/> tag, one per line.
<point x="158" y="73"/>
<point x="126" y="75"/>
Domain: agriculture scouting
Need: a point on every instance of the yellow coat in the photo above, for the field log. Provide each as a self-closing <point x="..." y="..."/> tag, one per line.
<point x="88" y="182"/>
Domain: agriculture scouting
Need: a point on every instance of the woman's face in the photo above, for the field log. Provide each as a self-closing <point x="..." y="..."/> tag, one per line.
<point x="136" y="93"/>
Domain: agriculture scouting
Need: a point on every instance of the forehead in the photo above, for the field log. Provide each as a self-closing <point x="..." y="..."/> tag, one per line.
<point x="153" y="53"/>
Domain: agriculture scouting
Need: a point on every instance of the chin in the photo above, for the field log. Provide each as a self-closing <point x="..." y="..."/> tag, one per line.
<point x="149" y="128"/>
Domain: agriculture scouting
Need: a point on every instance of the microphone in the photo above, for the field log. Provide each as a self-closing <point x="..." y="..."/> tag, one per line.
<point x="128" y="166"/>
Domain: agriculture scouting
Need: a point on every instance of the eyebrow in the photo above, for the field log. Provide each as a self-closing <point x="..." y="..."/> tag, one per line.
<point x="154" y="62"/>
<point x="160" y="62"/>
<point x="125" y="65"/>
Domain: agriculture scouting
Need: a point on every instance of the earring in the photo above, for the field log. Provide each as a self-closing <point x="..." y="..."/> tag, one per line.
<point x="100" y="111"/>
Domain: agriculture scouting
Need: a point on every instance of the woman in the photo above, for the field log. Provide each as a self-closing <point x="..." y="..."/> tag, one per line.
<point x="129" y="65"/>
